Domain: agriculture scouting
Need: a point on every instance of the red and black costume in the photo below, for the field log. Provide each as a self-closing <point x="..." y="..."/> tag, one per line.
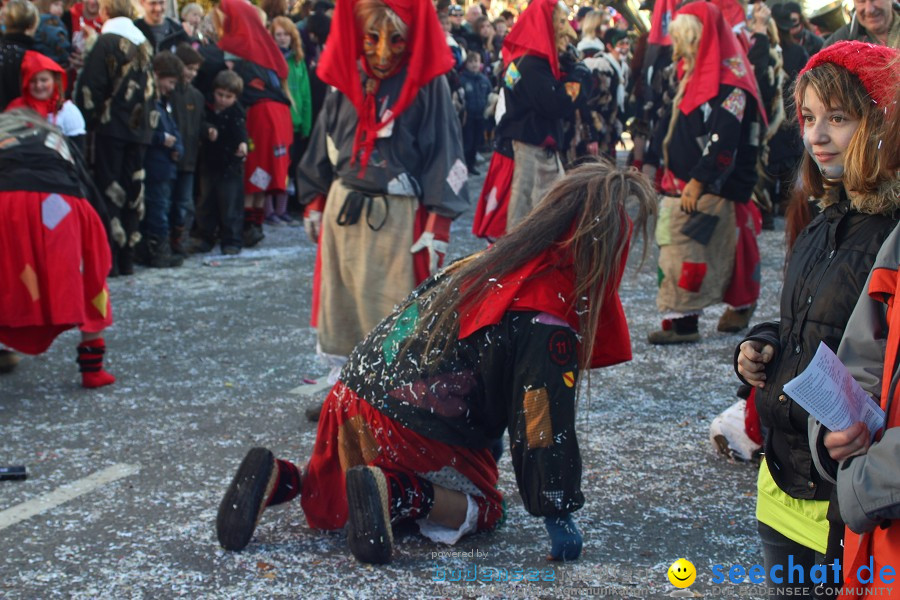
<point x="54" y="253"/>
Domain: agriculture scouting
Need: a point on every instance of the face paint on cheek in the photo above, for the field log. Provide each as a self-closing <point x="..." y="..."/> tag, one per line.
<point x="829" y="171"/>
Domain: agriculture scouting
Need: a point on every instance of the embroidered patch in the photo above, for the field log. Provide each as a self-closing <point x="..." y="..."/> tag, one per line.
<point x="692" y="275"/>
<point x="403" y="326"/>
<point x="538" y="428"/>
<point x="492" y="203"/>
<point x="401" y="185"/>
<point x="555" y="497"/>
<point x="561" y="347"/>
<point x="512" y="76"/>
<point x="735" y="65"/>
<point x="280" y="150"/>
<point x="30" y="280"/>
<point x="735" y="103"/>
<point x="724" y="160"/>
<point x="664" y="223"/>
<point x="53" y="210"/>
<point x="356" y="445"/>
<point x="101" y="302"/>
<point x="457" y="176"/>
<point x="260" y="178"/>
<point x="569" y="379"/>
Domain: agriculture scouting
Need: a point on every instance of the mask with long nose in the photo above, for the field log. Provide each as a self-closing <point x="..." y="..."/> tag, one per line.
<point x="384" y="47"/>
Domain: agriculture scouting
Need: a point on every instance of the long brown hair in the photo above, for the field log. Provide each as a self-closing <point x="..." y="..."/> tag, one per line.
<point x="582" y="214"/>
<point x="287" y="25"/>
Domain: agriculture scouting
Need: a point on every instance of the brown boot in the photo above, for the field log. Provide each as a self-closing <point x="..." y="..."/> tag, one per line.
<point x="733" y="320"/>
<point x="683" y="330"/>
<point x="8" y="361"/>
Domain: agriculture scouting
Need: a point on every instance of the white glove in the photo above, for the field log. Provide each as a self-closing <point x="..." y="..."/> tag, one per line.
<point x="312" y="223"/>
<point x="436" y="250"/>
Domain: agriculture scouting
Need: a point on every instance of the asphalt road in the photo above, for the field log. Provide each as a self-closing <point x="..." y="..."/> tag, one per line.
<point x="124" y="482"/>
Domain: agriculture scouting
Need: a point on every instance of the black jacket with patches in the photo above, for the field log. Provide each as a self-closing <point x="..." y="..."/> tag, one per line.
<point x="536" y="103"/>
<point x="115" y="91"/>
<point x="826" y="273"/>
<point x="717" y="144"/>
<point x="518" y="375"/>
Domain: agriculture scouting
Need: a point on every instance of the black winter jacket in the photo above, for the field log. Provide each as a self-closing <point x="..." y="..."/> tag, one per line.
<point x="536" y="103"/>
<point x="825" y="275"/>
<point x="188" y="106"/>
<point x="12" y="51"/>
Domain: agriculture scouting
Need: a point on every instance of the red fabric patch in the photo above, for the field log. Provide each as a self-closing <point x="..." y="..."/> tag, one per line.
<point x="692" y="275"/>
<point x="723" y="160"/>
<point x="743" y="289"/>
<point x="492" y="224"/>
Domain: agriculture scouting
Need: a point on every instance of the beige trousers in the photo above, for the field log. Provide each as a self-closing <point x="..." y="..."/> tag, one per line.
<point x="365" y="273"/>
<point x="693" y="274"/>
<point x="534" y="174"/>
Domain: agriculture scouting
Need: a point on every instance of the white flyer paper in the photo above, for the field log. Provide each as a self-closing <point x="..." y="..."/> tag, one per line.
<point x="830" y="394"/>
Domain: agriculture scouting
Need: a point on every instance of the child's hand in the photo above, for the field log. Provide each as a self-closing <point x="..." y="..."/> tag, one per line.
<point x="169" y="140"/>
<point x="212" y="133"/>
<point x="241" y="149"/>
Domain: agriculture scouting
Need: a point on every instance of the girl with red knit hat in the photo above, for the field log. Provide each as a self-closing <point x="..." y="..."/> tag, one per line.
<point x="384" y="174"/>
<point x="494" y="342"/>
<point x="843" y="96"/>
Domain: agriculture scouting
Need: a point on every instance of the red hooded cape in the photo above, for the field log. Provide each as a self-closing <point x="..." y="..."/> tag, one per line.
<point x="535" y="34"/>
<point x="720" y="61"/>
<point x="244" y="35"/>
<point x="546" y="284"/>
<point x="663" y="13"/>
<point x="32" y="64"/>
<point x="428" y="58"/>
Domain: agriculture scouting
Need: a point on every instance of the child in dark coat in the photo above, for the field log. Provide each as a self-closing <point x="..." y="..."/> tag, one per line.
<point x="220" y="211"/>
<point x="160" y="164"/>
<point x="477" y="88"/>
<point x="188" y="107"/>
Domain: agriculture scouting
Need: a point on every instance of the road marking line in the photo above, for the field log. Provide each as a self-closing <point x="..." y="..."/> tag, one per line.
<point x="63" y="494"/>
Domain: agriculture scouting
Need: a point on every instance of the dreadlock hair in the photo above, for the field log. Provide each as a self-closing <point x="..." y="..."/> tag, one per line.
<point x="685" y="32"/>
<point x="584" y="214"/>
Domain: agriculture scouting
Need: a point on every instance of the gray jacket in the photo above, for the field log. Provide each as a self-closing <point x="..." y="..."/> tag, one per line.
<point x="868" y="486"/>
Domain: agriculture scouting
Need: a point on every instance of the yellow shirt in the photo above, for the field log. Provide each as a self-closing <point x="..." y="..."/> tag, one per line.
<point x="802" y="521"/>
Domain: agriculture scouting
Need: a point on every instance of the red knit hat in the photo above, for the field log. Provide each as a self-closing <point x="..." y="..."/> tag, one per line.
<point x="876" y="66"/>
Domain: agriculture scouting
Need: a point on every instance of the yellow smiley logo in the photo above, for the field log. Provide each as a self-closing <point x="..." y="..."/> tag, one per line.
<point x="682" y="573"/>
